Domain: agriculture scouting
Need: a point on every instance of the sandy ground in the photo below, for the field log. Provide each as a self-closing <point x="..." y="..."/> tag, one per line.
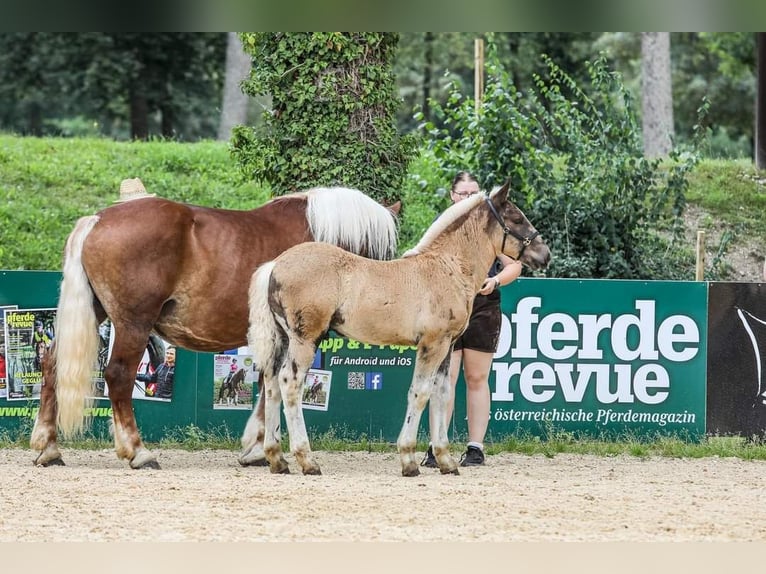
<point x="207" y="496"/>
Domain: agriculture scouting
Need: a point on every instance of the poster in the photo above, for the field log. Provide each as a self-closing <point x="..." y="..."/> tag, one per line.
<point x="28" y="335"/>
<point x="316" y="389"/>
<point x="3" y="371"/>
<point x="234" y="375"/>
<point x="155" y="375"/>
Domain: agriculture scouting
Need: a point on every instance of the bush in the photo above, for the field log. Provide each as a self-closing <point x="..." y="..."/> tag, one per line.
<point x="576" y="165"/>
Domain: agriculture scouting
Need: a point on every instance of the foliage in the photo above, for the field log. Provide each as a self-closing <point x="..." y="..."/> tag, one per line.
<point x="332" y="120"/>
<point x="115" y="83"/>
<point x="576" y="167"/>
<point x="47" y="183"/>
<point x="717" y="66"/>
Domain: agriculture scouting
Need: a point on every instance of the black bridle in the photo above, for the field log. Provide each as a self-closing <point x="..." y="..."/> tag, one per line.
<point x="525" y="241"/>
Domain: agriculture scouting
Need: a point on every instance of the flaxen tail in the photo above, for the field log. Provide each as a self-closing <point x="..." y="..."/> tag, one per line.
<point x="76" y="346"/>
<point x="263" y="336"/>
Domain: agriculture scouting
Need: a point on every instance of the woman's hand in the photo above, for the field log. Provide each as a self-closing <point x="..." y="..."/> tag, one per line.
<point x="490" y="284"/>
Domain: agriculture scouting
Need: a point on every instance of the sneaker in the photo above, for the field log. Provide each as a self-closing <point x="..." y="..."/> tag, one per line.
<point x="472" y="456"/>
<point x="429" y="460"/>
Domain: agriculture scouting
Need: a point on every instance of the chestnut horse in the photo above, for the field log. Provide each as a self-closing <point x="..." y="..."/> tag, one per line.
<point x="182" y="271"/>
<point x="423" y="299"/>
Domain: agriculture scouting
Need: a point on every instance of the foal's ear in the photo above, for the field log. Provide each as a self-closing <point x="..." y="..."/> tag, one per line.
<point x="501" y="194"/>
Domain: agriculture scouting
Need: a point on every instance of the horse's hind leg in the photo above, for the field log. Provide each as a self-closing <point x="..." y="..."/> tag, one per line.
<point x="440" y="397"/>
<point x="299" y="358"/>
<point x="272" y="442"/>
<point x="44" y="437"/>
<point x="252" y="453"/>
<point x="120" y="374"/>
<point x="430" y="363"/>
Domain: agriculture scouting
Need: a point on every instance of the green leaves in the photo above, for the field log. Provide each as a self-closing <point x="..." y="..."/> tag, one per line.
<point x="577" y="169"/>
<point x="333" y="113"/>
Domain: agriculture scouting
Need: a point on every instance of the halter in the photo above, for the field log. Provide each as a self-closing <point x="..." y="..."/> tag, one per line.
<point x="525" y="241"/>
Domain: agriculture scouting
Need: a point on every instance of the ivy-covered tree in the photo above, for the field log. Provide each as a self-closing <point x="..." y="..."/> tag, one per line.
<point x="333" y="114"/>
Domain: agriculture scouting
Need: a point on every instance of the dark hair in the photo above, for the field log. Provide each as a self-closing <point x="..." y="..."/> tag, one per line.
<point x="463" y="176"/>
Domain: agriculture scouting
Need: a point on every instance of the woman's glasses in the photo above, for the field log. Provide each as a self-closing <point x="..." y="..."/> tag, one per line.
<point x="465" y="193"/>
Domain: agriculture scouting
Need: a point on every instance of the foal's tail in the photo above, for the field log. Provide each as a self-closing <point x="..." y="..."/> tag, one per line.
<point x="76" y="344"/>
<point x="352" y="220"/>
<point x="264" y="336"/>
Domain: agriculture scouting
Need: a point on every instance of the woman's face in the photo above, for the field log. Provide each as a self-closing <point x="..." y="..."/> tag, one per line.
<point x="170" y="356"/>
<point x="463" y="189"/>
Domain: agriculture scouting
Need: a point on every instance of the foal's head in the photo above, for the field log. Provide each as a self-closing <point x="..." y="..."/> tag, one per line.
<point x="520" y="238"/>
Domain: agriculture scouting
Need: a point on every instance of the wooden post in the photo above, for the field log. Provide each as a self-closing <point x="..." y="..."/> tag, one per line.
<point x="700" y="271"/>
<point x="760" y="104"/>
<point x="478" y="72"/>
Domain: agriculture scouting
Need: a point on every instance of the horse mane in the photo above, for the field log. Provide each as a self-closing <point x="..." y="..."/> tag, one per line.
<point x="449" y="216"/>
<point x="347" y="217"/>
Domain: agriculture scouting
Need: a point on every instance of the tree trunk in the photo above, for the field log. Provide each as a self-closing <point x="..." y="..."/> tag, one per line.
<point x="234" y="106"/>
<point x="139" y="115"/>
<point x="760" y="104"/>
<point x="168" y="121"/>
<point x="657" y="94"/>
<point x="428" y="64"/>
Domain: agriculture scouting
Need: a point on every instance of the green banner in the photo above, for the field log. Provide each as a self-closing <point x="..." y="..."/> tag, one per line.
<point x="590" y="357"/>
<point x="601" y="357"/>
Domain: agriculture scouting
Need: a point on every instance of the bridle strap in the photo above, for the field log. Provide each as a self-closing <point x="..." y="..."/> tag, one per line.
<point x="525" y="241"/>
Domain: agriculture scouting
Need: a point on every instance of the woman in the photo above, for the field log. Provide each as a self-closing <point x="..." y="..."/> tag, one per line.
<point x="478" y="343"/>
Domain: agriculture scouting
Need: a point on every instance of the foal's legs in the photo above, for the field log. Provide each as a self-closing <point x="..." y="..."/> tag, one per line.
<point x="272" y="441"/>
<point x="44" y="432"/>
<point x="300" y="355"/>
<point x="252" y="439"/>
<point x="440" y="398"/>
<point x="431" y="369"/>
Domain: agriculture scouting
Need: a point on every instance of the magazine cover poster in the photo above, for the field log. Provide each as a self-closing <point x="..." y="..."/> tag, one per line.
<point x="234" y="375"/>
<point x="316" y="389"/>
<point x="3" y="370"/>
<point x="28" y="336"/>
<point x="155" y="375"/>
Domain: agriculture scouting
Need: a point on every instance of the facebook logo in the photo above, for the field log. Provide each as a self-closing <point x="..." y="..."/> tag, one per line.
<point x="373" y="381"/>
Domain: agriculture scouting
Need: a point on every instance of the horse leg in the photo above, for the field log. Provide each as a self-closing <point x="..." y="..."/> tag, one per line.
<point x="429" y="359"/>
<point x="442" y="391"/>
<point x="120" y="374"/>
<point x="252" y="439"/>
<point x="272" y="442"/>
<point x="300" y="355"/>
<point x="43" y="436"/>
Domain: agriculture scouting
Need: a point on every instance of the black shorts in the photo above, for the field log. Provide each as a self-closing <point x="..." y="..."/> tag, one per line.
<point x="483" y="331"/>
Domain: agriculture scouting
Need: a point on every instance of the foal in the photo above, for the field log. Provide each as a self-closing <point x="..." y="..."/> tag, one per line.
<point x="423" y="299"/>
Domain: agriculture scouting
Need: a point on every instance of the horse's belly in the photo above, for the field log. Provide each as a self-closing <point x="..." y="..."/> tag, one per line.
<point x="204" y="336"/>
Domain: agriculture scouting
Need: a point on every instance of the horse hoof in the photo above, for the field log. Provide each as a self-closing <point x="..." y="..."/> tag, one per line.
<point x="255" y="462"/>
<point x="411" y="471"/>
<point x="313" y="471"/>
<point x="454" y="471"/>
<point x="53" y="462"/>
<point x="150" y="464"/>
<point x="280" y="470"/>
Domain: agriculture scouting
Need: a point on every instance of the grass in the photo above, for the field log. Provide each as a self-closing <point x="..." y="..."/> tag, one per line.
<point x="733" y="192"/>
<point x="192" y="438"/>
<point x="47" y="183"/>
